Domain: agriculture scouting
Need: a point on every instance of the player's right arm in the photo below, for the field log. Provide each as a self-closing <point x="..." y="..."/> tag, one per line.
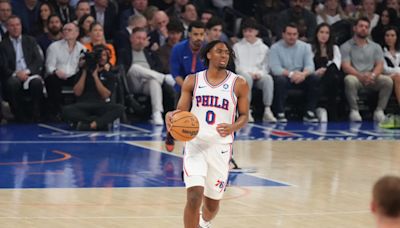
<point x="184" y="101"/>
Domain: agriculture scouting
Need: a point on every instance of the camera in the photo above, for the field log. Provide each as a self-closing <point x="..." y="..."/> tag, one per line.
<point x="92" y="58"/>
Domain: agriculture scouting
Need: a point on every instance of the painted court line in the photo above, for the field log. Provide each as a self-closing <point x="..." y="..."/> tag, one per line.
<point x="136" y="128"/>
<point x="55" y="128"/>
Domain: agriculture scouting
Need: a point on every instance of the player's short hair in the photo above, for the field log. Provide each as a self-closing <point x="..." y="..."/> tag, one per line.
<point x="205" y="50"/>
<point x="386" y="195"/>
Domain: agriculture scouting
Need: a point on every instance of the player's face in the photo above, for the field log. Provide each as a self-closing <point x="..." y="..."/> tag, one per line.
<point x="219" y="56"/>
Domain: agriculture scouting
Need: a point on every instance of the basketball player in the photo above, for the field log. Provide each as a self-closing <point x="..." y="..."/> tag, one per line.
<point x="385" y="203"/>
<point x="214" y="95"/>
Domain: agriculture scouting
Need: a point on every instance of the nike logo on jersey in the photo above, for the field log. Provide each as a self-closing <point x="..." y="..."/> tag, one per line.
<point x="200" y="87"/>
<point x="224" y="151"/>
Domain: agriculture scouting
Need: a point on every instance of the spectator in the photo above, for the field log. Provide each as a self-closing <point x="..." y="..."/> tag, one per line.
<point x="385" y="204"/>
<point x="392" y="58"/>
<point x="143" y="74"/>
<point x="388" y="18"/>
<point x="362" y="63"/>
<point x="62" y="66"/>
<point x="301" y="17"/>
<point x="105" y="13"/>
<point x="175" y="10"/>
<point x="65" y="11"/>
<point x="331" y="13"/>
<point x="327" y="60"/>
<point x="160" y="33"/>
<point x="291" y="64"/>
<point x="175" y="32"/>
<point x="40" y="28"/>
<point x="54" y="33"/>
<point x="28" y="11"/>
<point x="214" y="30"/>
<point x="82" y="8"/>
<point x="5" y="13"/>
<point x="368" y="8"/>
<point x="97" y="37"/>
<point x="93" y="89"/>
<point x="22" y="65"/>
<point x="393" y="4"/>
<point x="252" y="63"/>
<point x="188" y="15"/>
<point x="84" y="28"/>
<point x="185" y="56"/>
<point x="122" y="37"/>
<point x="267" y="12"/>
<point x="138" y="7"/>
<point x="206" y="16"/>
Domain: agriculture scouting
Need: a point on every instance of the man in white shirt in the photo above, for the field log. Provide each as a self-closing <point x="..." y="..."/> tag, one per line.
<point x="62" y="65"/>
<point x="251" y="62"/>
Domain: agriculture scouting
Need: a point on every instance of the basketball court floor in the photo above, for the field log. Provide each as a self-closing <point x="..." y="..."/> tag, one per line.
<point x="305" y="176"/>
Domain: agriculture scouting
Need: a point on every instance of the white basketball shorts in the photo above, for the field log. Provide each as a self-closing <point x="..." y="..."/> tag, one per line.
<point x="207" y="165"/>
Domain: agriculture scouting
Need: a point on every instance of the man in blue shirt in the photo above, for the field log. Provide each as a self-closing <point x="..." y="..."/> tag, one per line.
<point x="185" y="56"/>
<point x="292" y="65"/>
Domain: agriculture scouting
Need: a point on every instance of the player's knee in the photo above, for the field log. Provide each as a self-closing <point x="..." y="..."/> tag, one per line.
<point x="194" y="199"/>
<point x="212" y="208"/>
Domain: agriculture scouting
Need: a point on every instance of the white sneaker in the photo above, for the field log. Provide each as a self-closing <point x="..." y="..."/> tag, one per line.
<point x="269" y="116"/>
<point x="355" y="116"/>
<point x="379" y="115"/>
<point x="157" y="119"/>
<point x="322" y="115"/>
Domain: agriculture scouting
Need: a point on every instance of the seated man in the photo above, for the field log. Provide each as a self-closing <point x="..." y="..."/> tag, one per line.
<point x="62" y="60"/>
<point x="143" y="74"/>
<point x="385" y="203"/>
<point x="21" y="67"/>
<point x="251" y="62"/>
<point x="93" y="89"/>
<point x="362" y="62"/>
<point x="292" y="65"/>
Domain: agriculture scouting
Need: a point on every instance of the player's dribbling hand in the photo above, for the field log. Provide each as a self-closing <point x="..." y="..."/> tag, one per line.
<point x="224" y="129"/>
<point x="168" y="119"/>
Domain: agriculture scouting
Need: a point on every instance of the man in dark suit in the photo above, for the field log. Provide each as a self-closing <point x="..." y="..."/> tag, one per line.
<point x="5" y="13"/>
<point x="22" y="65"/>
<point x="65" y="11"/>
<point x="143" y="75"/>
<point x="138" y="7"/>
<point x="121" y="38"/>
<point x="106" y="14"/>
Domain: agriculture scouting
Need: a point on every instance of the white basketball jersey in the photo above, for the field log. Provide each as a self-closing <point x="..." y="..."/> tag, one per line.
<point x="212" y="105"/>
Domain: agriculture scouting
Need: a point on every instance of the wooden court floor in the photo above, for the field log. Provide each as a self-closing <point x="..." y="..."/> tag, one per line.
<point x="330" y="187"/>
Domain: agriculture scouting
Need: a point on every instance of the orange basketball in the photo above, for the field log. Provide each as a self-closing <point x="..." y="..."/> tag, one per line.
<point x="185" y="126"/>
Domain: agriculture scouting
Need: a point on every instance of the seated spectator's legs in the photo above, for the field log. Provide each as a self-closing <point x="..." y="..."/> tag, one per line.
<point x="54" y="87"/>
<point x="266" y="84"/>
<point x="281" y="85"/>
<point x="36" y="93"/>
<point x="330" y="87"/>
<point x="107" y="113"/>
<point x="351" y="87"/>
<point x="77" y="112"/>
<point x="102" y="114"/>
<point x="14" y="95"/>
<point x="383" y="84"/>
<point x="396" y="82"/>
<point x="248" y="79"/>
<point x="148" y="82"/>
<point x="311" y="84"/>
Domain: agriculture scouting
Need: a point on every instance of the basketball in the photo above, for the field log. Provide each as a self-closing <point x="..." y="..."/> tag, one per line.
<point x="185" y="126"/>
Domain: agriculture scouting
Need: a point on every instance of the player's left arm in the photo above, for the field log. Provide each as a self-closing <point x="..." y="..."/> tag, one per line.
<point x="241" y="90"/>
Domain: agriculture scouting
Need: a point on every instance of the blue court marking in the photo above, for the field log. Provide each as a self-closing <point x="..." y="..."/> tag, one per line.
<point x="76" y="165"/>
